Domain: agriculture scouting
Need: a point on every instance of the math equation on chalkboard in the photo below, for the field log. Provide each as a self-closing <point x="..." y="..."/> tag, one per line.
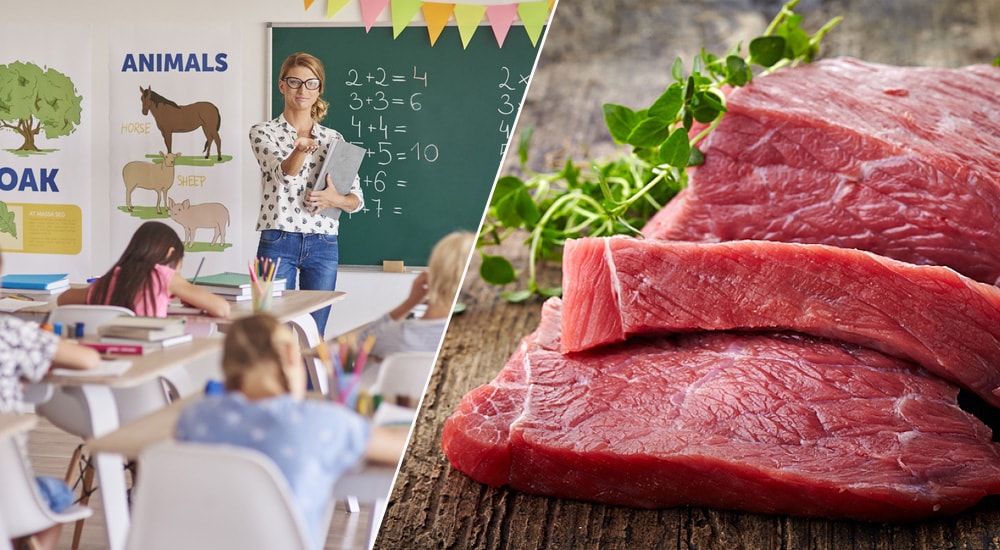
<point x="382" y="103"/>
<point x="435" y="122"/>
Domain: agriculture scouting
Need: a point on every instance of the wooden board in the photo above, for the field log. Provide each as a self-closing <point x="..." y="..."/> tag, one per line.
<point x="582" y="65"/>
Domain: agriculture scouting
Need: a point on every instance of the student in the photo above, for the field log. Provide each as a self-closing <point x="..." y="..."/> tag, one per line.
<point x="290" y="150"/>
<point x="312" y="441"/>
<point x="146" y="276"/>
<point x="26" y="353"/>
<point x="399" y="329"/>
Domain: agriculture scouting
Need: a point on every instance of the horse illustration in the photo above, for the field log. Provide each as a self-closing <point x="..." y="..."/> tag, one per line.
<point x="171" y="117"/>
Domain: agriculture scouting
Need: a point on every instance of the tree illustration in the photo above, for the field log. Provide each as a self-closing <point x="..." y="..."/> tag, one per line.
<point x="33" y="100"/>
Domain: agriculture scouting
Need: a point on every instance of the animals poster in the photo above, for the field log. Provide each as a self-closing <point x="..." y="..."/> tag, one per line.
<point x="175" y="132"/>
<point x="45" y="149"/>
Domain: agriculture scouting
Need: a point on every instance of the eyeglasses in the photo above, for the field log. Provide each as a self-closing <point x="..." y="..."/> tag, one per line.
<point x="296" y="83"/>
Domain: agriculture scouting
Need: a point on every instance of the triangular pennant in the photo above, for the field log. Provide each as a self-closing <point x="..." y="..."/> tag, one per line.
<point x="333" y="6"/>
<point x="501" y="18"/>
<point x="402" y="13"/>
<point x="534" y="15"/>
<point x="437" y="16"/>
<point x="370" y="10"/>
<point x="309" y="4"/>
<point x="468" y="17"/>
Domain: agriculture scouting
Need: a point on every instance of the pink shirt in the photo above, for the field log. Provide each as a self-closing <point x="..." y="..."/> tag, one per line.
<point x="160" y="279"/>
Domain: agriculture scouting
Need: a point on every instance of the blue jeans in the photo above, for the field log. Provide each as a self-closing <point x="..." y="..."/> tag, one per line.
<point x="309" y="258"/>
<point x="55" y="493"/>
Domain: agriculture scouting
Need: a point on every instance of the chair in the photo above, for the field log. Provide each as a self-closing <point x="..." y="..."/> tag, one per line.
<point x="195" y="495"/>
<point x="65" y="406"/>
<point x="404" y="374"/>
<point x="22" y="509"/>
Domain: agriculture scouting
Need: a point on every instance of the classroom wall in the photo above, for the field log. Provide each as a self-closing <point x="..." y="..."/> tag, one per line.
<point x="370" y="293"/>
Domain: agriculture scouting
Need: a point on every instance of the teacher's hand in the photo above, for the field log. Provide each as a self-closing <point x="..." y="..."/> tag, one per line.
<point x="330" y="198"/>
<point x="305" y="145"/>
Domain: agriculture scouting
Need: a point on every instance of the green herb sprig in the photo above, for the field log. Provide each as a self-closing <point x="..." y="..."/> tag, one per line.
<point x="619" y="195"/>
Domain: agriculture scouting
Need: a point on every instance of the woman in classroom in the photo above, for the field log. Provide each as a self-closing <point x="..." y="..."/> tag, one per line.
<point x="290" y="150"/>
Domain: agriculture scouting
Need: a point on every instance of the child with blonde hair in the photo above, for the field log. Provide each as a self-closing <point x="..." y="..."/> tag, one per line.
<point x="400" y="329"/>
<point x="312" y="441"/>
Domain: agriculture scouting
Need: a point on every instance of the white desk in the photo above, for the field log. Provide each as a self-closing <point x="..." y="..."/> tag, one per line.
<point x="368" y="482"/>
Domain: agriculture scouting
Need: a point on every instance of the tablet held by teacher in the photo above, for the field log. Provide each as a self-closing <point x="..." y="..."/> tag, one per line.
<point x="295" y="223"/>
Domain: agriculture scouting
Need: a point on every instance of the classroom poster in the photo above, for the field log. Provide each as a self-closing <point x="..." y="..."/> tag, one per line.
<point x="45" y="148"/>
<point x="175" y="111"/>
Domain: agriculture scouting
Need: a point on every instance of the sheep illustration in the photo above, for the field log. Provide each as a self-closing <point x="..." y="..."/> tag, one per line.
<point x="158" y="177"/>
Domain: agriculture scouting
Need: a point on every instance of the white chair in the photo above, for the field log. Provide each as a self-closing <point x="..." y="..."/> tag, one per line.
<point x="404" y="374"/>
<point x="66" y="408"/>
<point x="22" y="510"/>
<point x="193" y="495"/>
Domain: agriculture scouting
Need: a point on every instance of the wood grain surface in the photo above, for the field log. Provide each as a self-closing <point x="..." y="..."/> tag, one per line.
<point x="620" y="51"/>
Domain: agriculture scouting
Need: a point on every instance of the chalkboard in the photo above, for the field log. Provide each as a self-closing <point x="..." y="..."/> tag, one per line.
<point x="435" y="120"/>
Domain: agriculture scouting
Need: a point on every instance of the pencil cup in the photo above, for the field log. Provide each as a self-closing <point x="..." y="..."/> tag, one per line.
<point x="262" y="295"/>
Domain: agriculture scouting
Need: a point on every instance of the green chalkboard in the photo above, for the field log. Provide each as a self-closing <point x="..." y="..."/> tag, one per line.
<point x="435" y="120"/>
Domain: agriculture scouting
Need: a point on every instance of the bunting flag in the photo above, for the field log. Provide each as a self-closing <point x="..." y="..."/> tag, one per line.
<point x="501" y="17"/>
<point x="402" y="13"/>
<point x="309" y="4"/>
<point x="333" y="6"/>
<point x="534" y="14"/>
<point x="467" y="17"/>
<point x="370" y="10"/>
<point x="437" y="16"/>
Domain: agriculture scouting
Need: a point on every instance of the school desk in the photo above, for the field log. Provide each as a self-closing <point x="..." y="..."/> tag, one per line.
<point x="369" y="482"/>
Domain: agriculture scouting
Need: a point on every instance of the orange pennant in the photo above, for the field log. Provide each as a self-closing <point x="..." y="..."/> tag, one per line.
<point x="437" y="16"/>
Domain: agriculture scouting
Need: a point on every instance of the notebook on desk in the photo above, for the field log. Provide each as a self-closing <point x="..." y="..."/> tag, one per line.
<point x="342" y="162"/>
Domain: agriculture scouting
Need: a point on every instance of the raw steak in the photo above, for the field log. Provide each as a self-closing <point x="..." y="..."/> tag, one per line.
<point x="902" y="161"/>
<point x="947" y="323"/>
<point x="772" y="423"/>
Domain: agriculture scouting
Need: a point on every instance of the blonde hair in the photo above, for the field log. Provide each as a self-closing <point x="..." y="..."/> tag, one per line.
<point x="254" y="343"/>
<point x="447" y="265"/>
<point x="311" y="62"/>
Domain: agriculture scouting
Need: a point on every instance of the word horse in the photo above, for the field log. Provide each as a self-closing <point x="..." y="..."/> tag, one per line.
<point x="171" y="117"/>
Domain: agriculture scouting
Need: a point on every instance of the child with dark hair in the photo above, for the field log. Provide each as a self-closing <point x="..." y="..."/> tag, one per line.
<point x="146" y="276"/>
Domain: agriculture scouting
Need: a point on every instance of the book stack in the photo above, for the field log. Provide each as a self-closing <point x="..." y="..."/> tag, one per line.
<point x="138" y="335"/>
<point x="234" y="286"/>
<point x="42" y="283"/>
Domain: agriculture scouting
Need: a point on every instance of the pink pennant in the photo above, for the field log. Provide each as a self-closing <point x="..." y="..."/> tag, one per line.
<point x="370" y="10"/>
<point x="501" y="17"/>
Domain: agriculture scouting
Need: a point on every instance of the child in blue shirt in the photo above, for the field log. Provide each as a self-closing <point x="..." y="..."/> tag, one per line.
<point x="312" y="441"/>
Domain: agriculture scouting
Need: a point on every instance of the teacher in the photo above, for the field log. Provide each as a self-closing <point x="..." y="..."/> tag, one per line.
<point x="290" y="150"/>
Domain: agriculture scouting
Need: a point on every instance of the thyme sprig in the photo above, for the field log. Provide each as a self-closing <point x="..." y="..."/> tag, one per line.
<point x="619" y="195"/>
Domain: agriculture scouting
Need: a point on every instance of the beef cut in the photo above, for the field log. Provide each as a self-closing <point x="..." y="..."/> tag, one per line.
<point x="762" y="422"/>
<point x="620" y="286"/>
<point x="901" y="161"/>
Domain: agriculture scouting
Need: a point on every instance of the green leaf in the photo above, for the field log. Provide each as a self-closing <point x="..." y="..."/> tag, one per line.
<point x="677" y="69"/>
<point x="676" y="150"/>
<point x="737" y="71"/>
<point x="620" y="121"/>
<point x="767" y="50"/>
<point x="526" y="207"/>
<point x="516" y="296"/>
<point x="548" y="292"/>
<point x="7" y="224"/>
<point x="497" y="270"/>
<point x="505" y="186"/>
<point x="523" y="144"/>
<point x="651" y="132"/>
<point x="668" y="104"/>
<point x="697" y="157"/>
<point x="996" y="62"/>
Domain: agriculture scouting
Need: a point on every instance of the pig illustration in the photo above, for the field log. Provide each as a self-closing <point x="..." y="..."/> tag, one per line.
<point x="212" y="215"/>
